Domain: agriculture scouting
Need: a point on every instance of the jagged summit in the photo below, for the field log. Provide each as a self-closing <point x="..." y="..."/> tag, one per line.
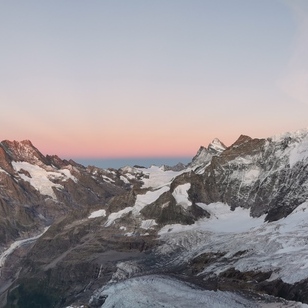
<point x="204" y="155"/>
<point x="23" y="151"/>
<point x="241" y="140"/>
<point x="216" y="146"/>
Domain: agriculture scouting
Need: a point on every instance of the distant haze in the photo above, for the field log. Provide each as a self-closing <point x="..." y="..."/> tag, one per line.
<point x="122" y="162"/>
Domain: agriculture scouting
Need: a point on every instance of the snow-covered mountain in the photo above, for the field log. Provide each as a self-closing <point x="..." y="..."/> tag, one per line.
<point x="228" y="229"/>
<point x="204" y="155"/>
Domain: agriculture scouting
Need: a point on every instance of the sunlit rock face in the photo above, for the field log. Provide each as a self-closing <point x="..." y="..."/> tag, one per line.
<point x="36" y="190"/>
<point x="266" y="175"/>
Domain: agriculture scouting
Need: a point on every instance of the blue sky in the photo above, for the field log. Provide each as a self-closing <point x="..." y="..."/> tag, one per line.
<point x="151" y="78"/>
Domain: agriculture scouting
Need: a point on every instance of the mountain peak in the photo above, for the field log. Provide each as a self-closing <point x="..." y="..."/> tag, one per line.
<point x="204" y="155"/>
<point x="216" y="147"/>
<point x="23" y="151"/>
<point x="241" y="140"/>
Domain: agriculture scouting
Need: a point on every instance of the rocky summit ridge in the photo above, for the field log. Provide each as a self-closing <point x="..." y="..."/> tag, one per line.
<point x="204" y="155"/>
<point x="233" y="220"/>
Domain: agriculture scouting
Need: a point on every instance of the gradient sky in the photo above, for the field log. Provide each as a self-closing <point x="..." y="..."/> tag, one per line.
<point x="150" y="77"/>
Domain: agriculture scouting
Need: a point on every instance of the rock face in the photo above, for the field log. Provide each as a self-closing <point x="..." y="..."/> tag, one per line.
<point x="196" y="222"/>
<point x="36" y="190"/>
<point x="204" y="155"/>
<point x="269" y="176"/>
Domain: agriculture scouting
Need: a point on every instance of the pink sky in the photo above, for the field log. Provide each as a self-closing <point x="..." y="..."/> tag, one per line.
<point x="151" y="79"/>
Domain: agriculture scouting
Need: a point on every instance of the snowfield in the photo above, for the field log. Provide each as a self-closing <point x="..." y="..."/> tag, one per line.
<point x="156" y="177"/>
<point x="222" y="220"/>
<point x="180" y="195"/>
<point x="141" y="201"/>
<point x="159" y="291"/>
<point x="40" y="178"/>
<point x="297" y="149"/>
<point x="280" y="246"/>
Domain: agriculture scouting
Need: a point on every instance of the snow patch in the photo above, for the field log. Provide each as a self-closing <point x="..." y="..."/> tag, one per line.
<point x="180" y="195"/>
<point x="156" y="177"/>
<point x="251" y="175"/>
<point x="222" y="220"/>
<point x="106" y="178"/>
<point x="298" y="153"/>
<point x="141" y="201"/>
<point x="295" y="145"/>
<point x="148" y="224"/>
<point x="67" y="175"/>
<point x="39" y="178"/>
<point x="217" y="145"/>
<point x="248" y="174"/>
<point x="98" y="213"/>
<point x="124" y="179"/>
<point x="148" y="198"/>
<point x="2" y="170"/>
<point x="114" y="216"/>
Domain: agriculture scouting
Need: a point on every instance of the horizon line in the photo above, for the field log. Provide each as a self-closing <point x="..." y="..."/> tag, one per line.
<point x="130" y="157"/>
<point x="128" y="161"/>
